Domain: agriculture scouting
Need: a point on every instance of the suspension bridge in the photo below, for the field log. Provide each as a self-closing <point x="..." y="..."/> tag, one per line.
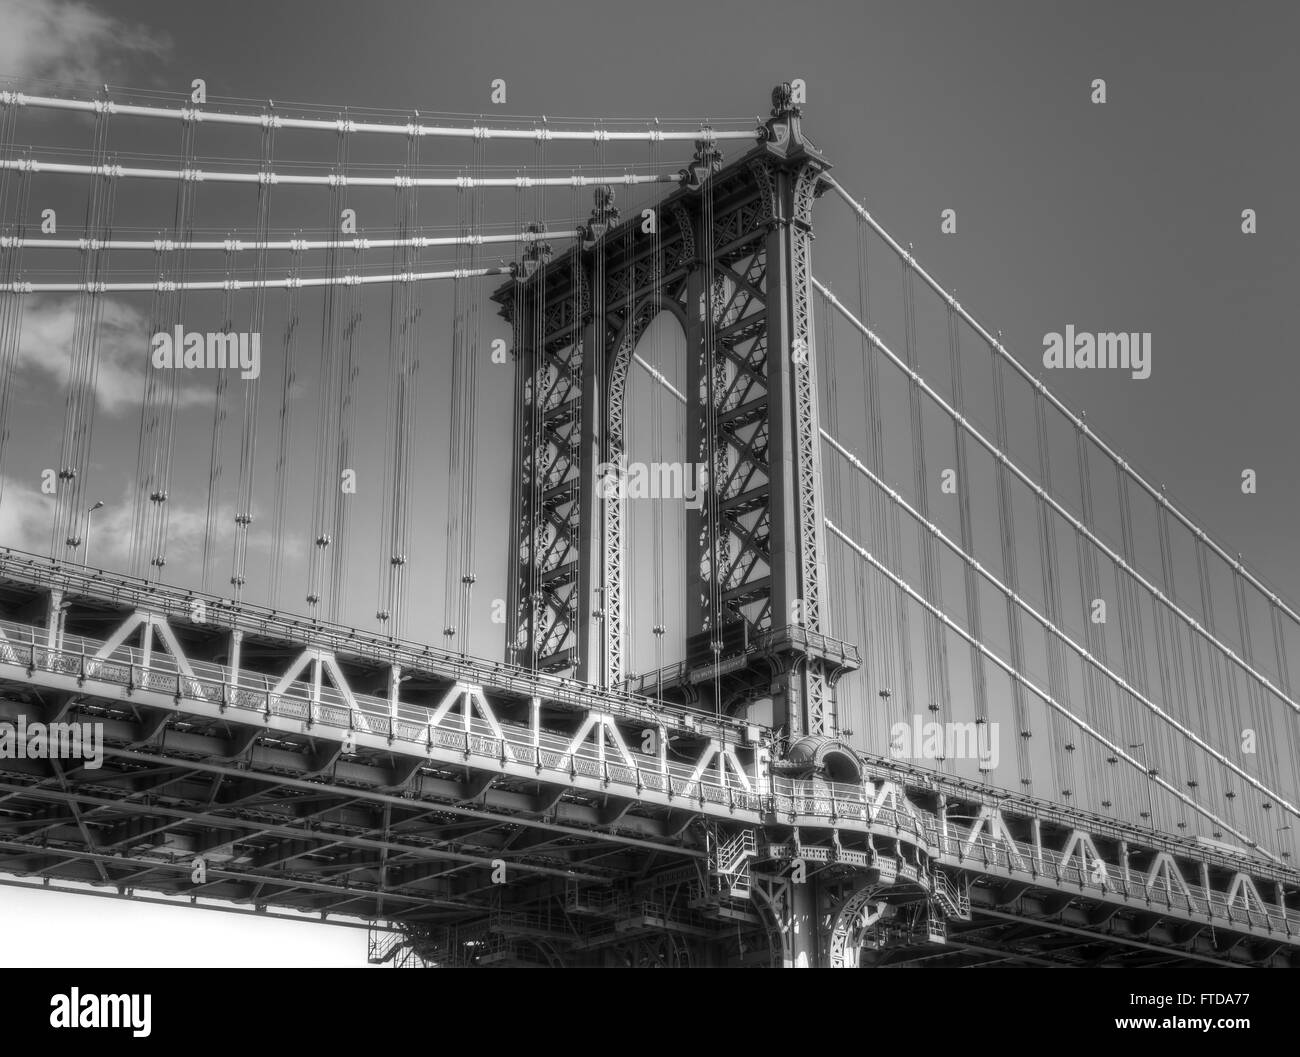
<point x="816" y="630"/>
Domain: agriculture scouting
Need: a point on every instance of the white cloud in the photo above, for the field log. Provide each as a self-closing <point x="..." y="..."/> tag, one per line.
<point x="70" y="41"/>
<point x="46" y="343"/>
<point x="111" y="536"/>
<point x="27" y="514"/>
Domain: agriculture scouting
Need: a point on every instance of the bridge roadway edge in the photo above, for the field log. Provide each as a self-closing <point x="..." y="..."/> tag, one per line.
<point x="647" y="819"/>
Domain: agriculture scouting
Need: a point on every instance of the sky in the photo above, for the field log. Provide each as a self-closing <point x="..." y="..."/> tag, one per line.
<point x="1123" y="216"/>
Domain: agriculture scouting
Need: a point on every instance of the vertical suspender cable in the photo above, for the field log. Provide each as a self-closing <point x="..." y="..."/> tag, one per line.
<point x="1011" y="572"/>
<point x="284" y="433"/>
<point x="872" y="595"/>
<point x="385" y="569"/>
<point x="163" y="395"/>
<point x="965" y="486"/>
<point x="344" y="470"/>
<point x="834" y="490"/>
<point x="11" y="303"/>
<point x="329" y="396"/>
<point x="452" y="558"/>
<point x="1133" y="799"/>
<point x="210" y="527"/>
<point x="406" y="405"/>
<point x="252" y="386"/>
<point x="1096" y="690"/>
<point x="939" y="699"/>
<point x="80" y="403"/>
<point x="474" y="308"/>
<point x="1061" y="736"/>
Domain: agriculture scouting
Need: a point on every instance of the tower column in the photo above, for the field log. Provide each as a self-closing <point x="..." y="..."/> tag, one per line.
<point x="790" y="174"/>
<point x="592" y="665"/>
<point x="54" y="620"/>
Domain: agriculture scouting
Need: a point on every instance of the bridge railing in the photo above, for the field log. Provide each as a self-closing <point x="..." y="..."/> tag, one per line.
<point x="554" y="751"/>
<point x="503" y="677"/>
<point x="215" y="684"/>
<point x="1050" y="863"/>
<point x="519" y="681"/>
<point x="840" y="801"/>
<point x="1046" y="811"/>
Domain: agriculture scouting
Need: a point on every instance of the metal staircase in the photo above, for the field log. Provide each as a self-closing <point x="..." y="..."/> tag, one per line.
<point x="382" y="944"/>
<point x="954" y="902"/>
<point x="729" y="861"/>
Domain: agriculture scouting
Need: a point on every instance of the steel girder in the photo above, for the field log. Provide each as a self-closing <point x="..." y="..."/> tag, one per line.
<point x="317" y="797"/>
<point x="741" y="293"/>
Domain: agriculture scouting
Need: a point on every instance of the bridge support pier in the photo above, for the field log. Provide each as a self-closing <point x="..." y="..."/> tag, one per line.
<point x="790" y="910"/>
<point x="818" y="925"/>
<point x="847" y="922"/>
<point x="236" y="646"/>
<point x="394" y="689"/>
<point x="54" y="620"/>
<point x="772" y="897"/>
<point x="805" y="950"/>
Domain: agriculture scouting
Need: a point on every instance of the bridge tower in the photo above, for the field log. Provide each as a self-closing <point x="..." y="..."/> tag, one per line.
<point x="732" y="263"/>
<point x="758" y="627"/>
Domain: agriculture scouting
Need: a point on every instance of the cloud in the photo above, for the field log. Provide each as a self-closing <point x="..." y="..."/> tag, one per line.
<point x="46" y="343"/>
<point x="27" y="514"/>
<point x="69" y="41"/>
<point x="111" y="537"/>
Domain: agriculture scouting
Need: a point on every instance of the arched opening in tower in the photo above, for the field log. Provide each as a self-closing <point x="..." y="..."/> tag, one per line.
<point x="663" y="481"/>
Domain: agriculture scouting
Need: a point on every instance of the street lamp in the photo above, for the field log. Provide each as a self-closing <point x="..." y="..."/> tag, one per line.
<point x="86" y="557"/>
<point x="1151" y="810"/>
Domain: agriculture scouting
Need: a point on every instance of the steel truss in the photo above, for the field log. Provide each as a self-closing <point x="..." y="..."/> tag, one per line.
<point x="741" y="292"/>
<point x="279" y="756"/>
<point x="485" y="814"/>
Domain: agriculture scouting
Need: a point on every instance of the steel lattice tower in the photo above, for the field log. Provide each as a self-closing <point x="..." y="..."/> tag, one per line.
<point x="742" y="299"/>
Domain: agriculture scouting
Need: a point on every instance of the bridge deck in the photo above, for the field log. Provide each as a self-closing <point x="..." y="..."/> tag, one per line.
<point x="300" y="794"/>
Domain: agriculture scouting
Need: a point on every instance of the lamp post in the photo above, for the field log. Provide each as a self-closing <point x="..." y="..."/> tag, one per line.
<point x="86" y="557"/>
